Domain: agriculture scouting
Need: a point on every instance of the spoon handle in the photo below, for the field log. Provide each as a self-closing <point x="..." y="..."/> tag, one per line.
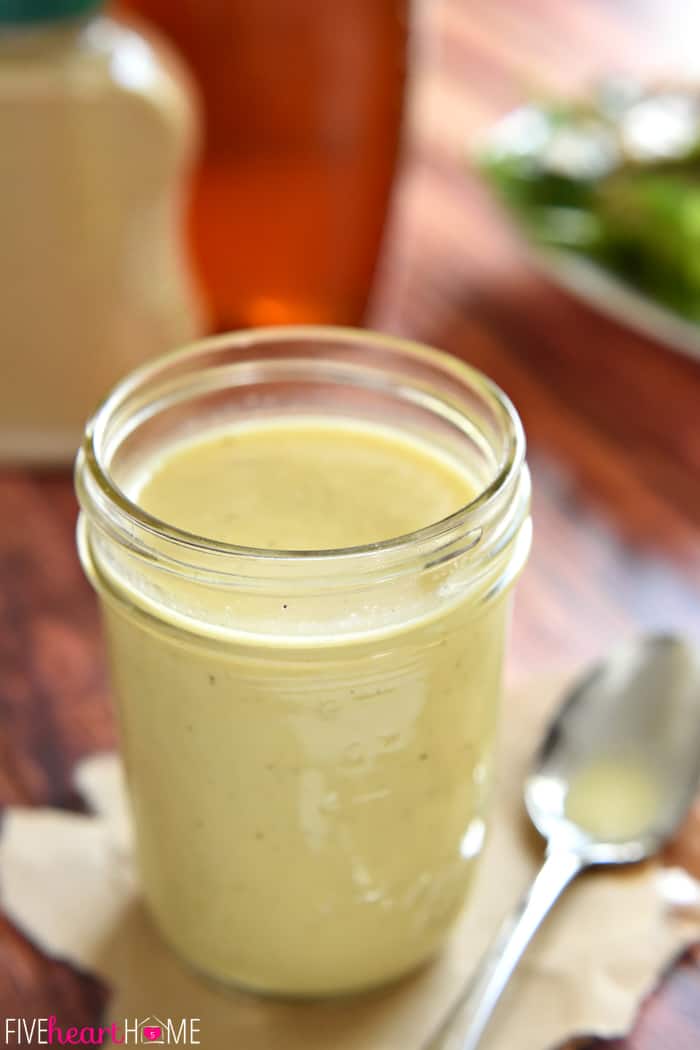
<point x="477" y="1003"/>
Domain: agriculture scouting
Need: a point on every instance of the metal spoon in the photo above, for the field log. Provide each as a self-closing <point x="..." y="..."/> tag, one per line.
<point x="632" y="723"/>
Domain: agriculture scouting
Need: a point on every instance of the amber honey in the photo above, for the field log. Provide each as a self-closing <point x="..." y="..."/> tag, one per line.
<point x="302" y="105"/>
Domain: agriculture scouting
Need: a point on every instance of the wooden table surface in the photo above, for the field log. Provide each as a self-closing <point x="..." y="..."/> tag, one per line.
<point x="613" y="423"/>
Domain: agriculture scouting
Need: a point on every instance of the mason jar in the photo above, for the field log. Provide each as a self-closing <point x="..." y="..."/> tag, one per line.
<point x="307" y="735"/>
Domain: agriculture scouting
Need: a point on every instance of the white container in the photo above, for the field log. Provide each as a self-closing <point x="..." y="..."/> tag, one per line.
<point x="97" y="133"/>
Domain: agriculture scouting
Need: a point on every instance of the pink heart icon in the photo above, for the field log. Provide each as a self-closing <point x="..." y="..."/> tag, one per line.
<point x="151" y="1033"/>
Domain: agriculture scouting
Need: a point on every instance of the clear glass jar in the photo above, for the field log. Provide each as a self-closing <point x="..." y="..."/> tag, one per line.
<point x="309" y="787"/>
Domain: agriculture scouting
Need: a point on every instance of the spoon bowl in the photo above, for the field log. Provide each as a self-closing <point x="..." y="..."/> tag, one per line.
<point x="628" y="732"/>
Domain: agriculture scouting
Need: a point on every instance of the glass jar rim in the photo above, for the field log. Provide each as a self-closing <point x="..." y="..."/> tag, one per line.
<point x="91" y="455"/>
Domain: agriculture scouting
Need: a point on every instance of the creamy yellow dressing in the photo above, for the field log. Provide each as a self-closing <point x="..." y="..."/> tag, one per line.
<point x="306" y="815"/>
<point x="312" y="484"/>
<point x="613" y="799"/>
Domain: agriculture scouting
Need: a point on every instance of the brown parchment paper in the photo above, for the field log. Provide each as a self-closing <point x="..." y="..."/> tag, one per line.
<point x="68" y="881"/>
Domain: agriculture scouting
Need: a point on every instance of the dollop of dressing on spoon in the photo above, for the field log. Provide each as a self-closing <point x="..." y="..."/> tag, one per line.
<point x="613" y="799"/>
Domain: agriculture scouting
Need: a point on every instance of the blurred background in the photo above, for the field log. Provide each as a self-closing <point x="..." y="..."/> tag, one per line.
<point x="218" y="164"/>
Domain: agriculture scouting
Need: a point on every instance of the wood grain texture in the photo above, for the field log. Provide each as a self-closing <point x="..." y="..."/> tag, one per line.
<point x="613" y="424"/>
